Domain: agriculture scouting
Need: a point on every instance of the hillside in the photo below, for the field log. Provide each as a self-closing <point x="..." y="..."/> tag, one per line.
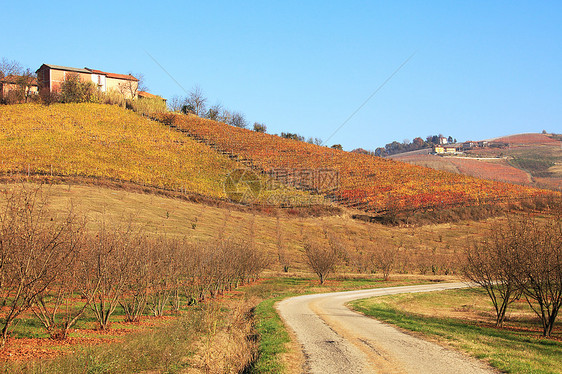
<point x="108" y="143"/>
<point x="365" y="182"/>
<point x="528" y="159"/>
<point x="200" y="223"/>
<point x="527" y="139"/>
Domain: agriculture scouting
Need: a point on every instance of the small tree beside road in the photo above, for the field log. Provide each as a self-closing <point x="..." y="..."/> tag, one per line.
<point x="487" y="266"/>
<point x="523" y="257"/>
<point x="321" y="259"/>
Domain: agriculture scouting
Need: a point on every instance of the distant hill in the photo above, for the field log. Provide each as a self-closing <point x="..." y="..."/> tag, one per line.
<point x="529" y="159"/>
<point x="528" y="139"/>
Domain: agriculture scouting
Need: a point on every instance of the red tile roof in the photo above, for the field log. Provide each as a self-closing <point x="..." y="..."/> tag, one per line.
<point x="89" y="71"/>
<point x="113" y="75"/>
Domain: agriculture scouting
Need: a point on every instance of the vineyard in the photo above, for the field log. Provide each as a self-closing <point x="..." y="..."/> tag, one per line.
<point x="365" y="182"/>
<point x="111" y="143"/>
<point x="498" y="170"/>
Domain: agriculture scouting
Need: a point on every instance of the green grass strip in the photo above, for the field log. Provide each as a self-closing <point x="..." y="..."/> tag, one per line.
<point x="509" y="351"/>
<point x="273" y="338"/>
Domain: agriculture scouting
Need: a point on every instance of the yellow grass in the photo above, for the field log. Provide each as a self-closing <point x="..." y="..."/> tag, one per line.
<point x="436" y="244"/>
<point x="108" y="142"/>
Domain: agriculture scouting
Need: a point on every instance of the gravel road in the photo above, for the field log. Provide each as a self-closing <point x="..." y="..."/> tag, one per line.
<point x="335" y="339"/>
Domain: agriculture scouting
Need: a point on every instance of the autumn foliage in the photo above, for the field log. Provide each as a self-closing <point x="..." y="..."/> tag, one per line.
<point x="104" y="141"/>
<point x="365" y="182"/>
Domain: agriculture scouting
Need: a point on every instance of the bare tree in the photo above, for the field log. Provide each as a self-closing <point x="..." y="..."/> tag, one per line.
<point x="384" y="256"/>
<point x="488" y="265"/>
<point x="130" y="88"/>
<point x="321" y="259"/>
<point x="24" y="82"/>
<point x="316" y="141"/>
<point x="225" y="116"/>
<point x="239" y="120"/>
<point x="137" y="283"/>
<point x="175" y="103"/>
<point x="161" y="258"/>
<point x="109" y="263"/>
<point x="281" y="247"/>
<point x="196" y="102"/>
<point x="55" y="308"/>
<point x="215" y="113"/>
<point x="35" y="248"/>
<point x="9" y="67"/>
<point x="536" y="258"/>
<point x="260" y="127"/>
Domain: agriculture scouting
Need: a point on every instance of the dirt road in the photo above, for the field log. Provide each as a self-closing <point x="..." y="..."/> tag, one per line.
<point x="335" y="339"/>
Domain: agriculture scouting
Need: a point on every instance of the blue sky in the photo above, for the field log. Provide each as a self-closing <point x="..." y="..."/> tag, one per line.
<point x="481" y="69"/>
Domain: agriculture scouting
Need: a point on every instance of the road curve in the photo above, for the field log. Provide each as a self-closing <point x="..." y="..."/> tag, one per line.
<point x="335" y="339"/>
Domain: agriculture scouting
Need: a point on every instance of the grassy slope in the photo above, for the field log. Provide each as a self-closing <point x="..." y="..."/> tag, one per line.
<point x="109" y="143"/>
<point x="105" y="141"/>
<point x="438" y="243"/>
<point x="463" y="319"/>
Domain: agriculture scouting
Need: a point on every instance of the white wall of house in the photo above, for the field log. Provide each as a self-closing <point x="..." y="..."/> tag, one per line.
<point x="100" y="81"/>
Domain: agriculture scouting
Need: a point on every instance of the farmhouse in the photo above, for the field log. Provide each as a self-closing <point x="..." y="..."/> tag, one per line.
<point x="50" y="77"/>
<point x="125" y="84"/>
<point x="445" y="149"/>
<point x="23" y="86"/>
<point x="469" y="145"/>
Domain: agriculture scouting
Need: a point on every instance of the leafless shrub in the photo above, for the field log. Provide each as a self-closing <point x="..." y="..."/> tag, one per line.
<point x="48" y="97"/>
<point x="488" y="265"/>
<point x="108" y="265"/>
<point x="137" y="279"/>
<point x="536" y="265"/>
<point x="385" y="257"/>
<point x="36" y="249"/>
<point x="56" y="308"/>
<point x="322" y="259"/>
<point x="162" y="258"/>
<point x="50" y="265"/>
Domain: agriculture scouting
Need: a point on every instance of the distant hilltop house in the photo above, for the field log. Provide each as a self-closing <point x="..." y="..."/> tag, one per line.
<point x="25" y="86"/>
<point x="50" y="77"/>
<point x="445" y="149"/>
<point x="458" y="148"/>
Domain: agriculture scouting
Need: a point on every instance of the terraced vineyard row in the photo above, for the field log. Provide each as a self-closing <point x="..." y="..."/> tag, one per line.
<point x="366" y="182"/>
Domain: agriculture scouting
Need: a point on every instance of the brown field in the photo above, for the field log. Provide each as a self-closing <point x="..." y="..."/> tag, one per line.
<point x="496" y="169"/>
<point x="527" y="139"/>
<point x="158" y="214"/>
